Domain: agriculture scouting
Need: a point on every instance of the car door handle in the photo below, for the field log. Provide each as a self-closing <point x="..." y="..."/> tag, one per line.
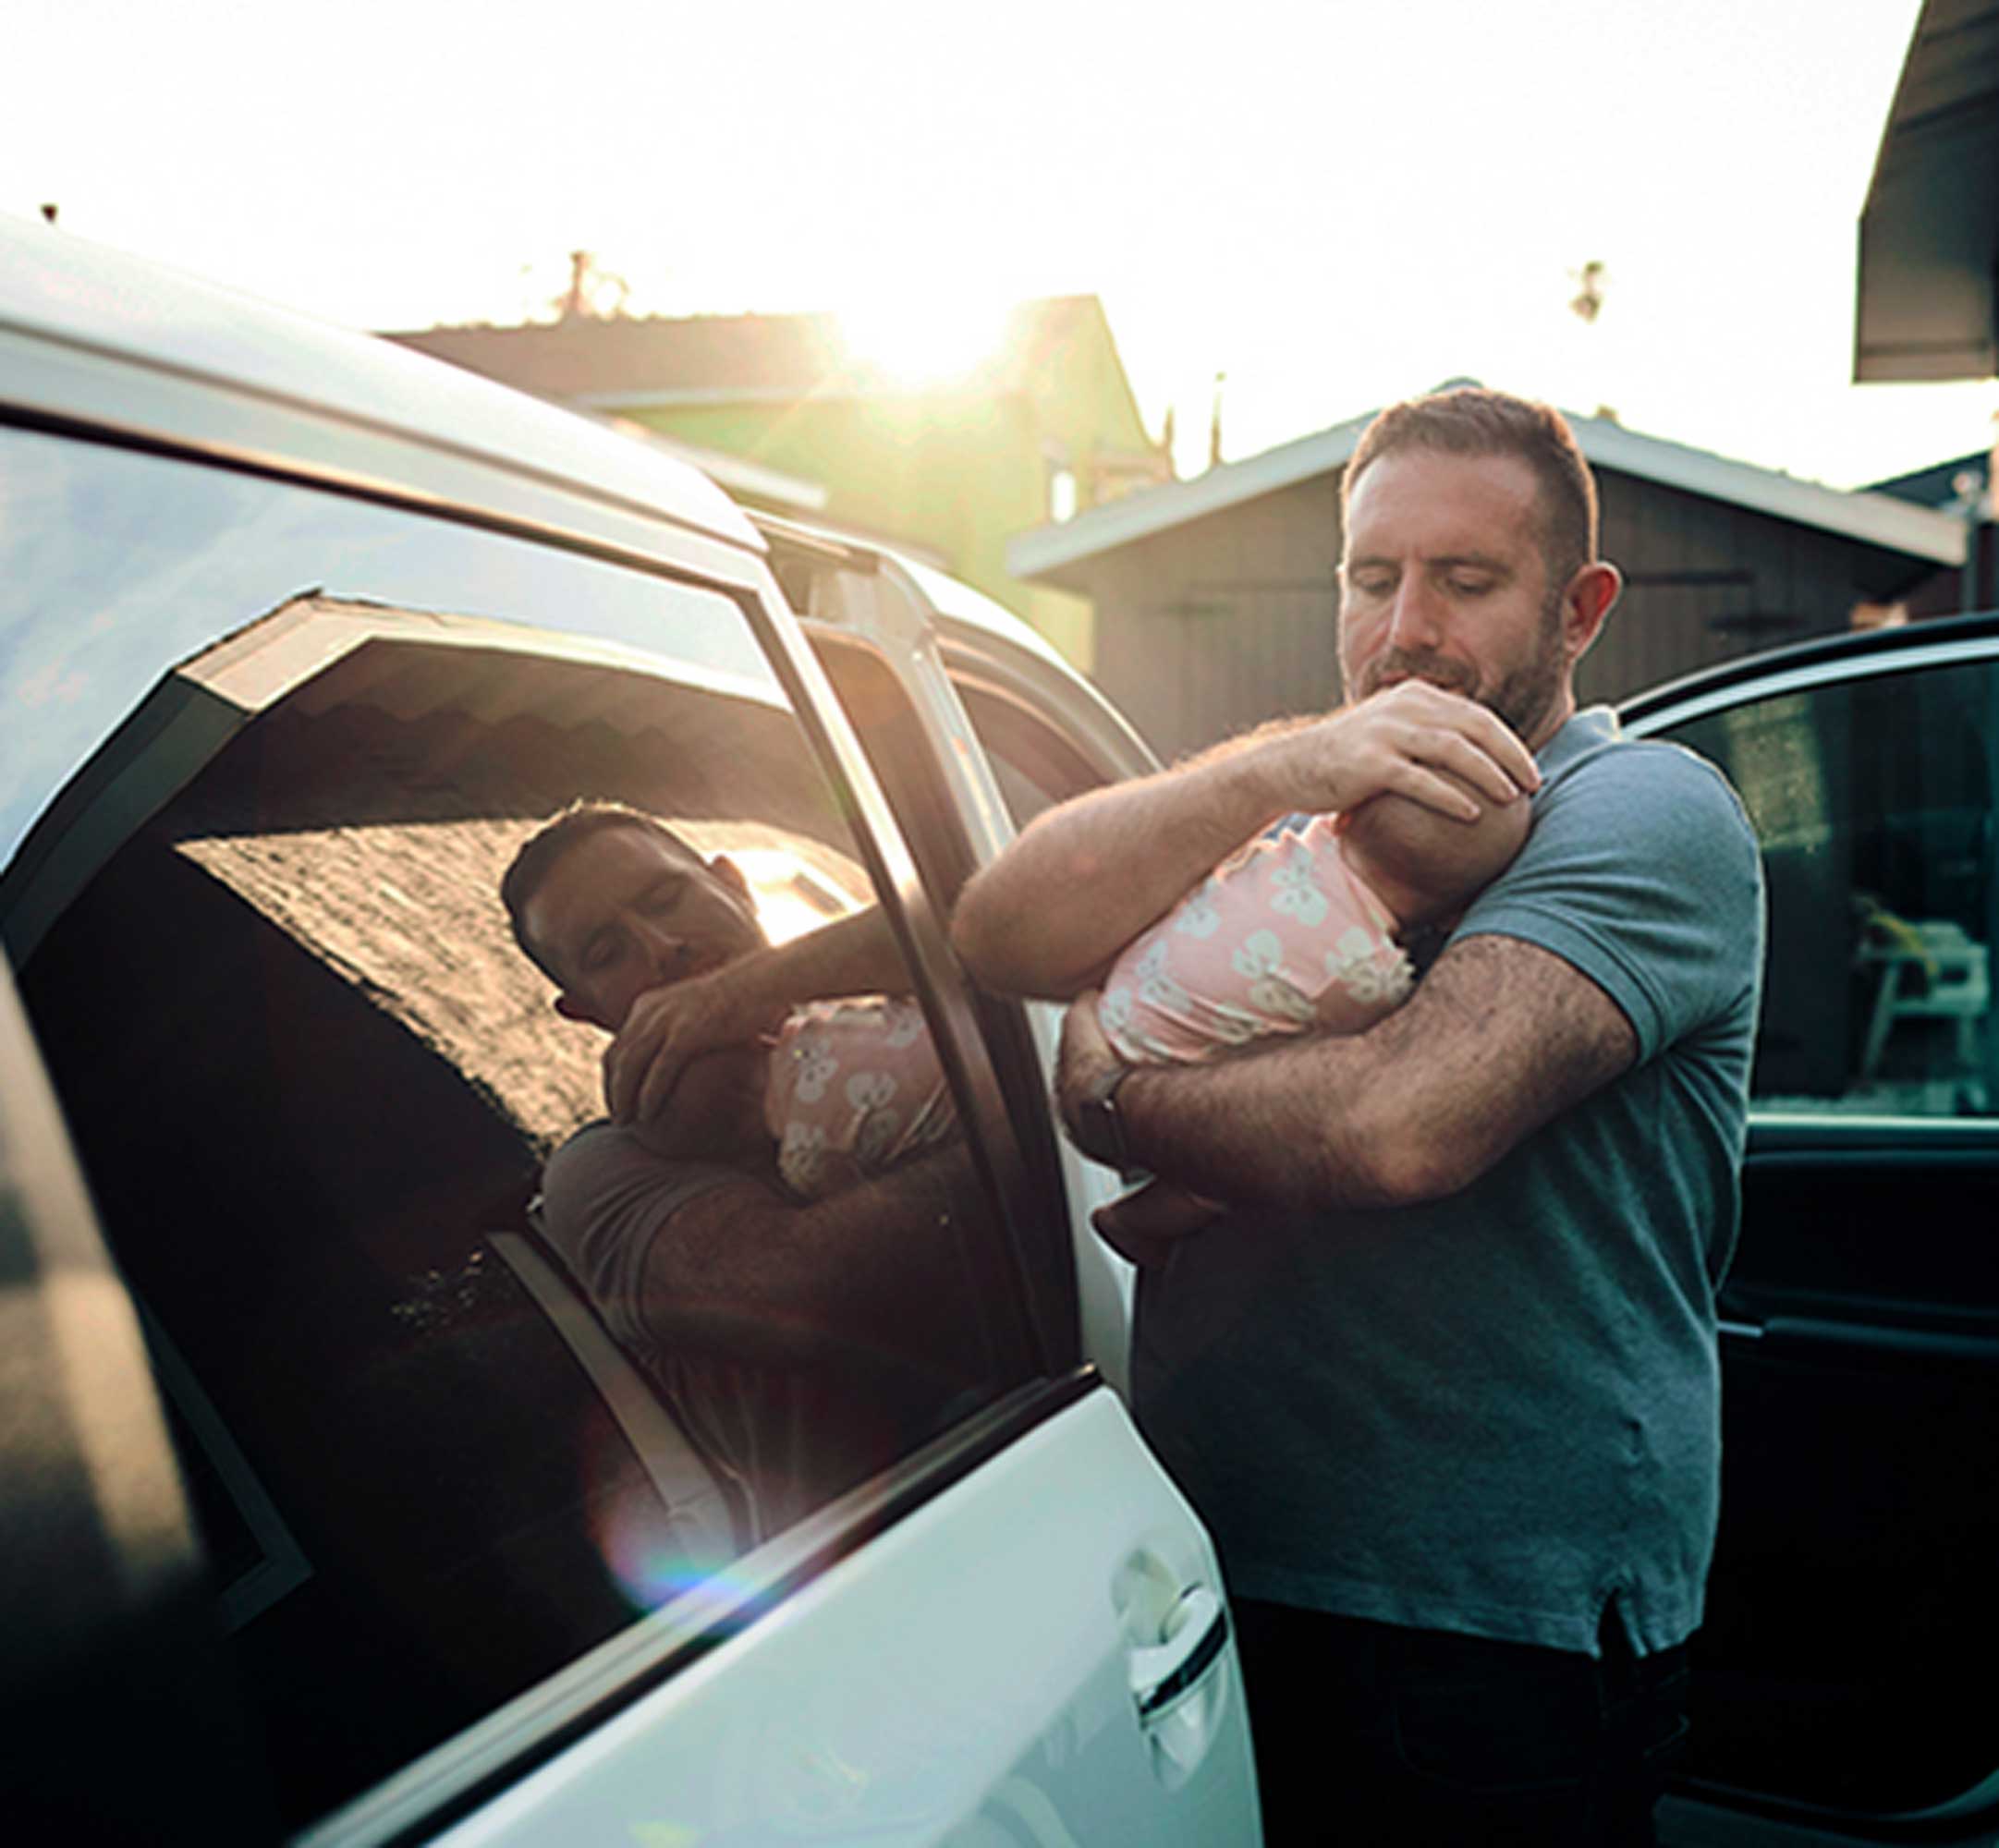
<point x="1196" y="1634"/>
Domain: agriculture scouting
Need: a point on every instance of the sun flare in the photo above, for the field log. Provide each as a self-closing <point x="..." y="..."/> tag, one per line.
<point x="921" y="337"/>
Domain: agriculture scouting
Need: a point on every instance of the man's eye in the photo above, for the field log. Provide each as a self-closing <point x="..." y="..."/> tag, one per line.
<point x="1470" y="586"/>
<point x="1372" y="584"/>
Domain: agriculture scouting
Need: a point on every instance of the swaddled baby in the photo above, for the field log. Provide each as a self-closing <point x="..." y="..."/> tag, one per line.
<point x="1298" y="932"/>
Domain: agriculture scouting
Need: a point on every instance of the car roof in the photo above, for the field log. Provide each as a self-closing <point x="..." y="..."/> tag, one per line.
<point x="62" y="295"/>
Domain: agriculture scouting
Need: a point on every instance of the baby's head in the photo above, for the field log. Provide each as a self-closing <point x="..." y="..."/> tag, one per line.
<point x="1425" y="866"/>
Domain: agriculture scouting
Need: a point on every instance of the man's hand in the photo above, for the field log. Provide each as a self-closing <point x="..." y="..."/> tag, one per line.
<point x="1144" y="1223"/>
<point x="1086" y="1058"/>
<point x="664" y="1030"/>
<point x="1412" y="739"/>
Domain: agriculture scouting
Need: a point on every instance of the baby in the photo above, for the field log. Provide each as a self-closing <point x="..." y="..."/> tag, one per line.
<point x="1295" y="932"/>
<point x="1298" y="932"/>
<point x="853" y="1087"/>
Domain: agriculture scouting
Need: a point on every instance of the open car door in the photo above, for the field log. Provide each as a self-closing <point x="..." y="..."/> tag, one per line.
<point x="1850" y="1617"/>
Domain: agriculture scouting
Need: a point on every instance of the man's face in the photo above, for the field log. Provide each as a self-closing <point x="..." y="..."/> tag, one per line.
<point x="1443" y="579"/>
<point x="622" y="912"/>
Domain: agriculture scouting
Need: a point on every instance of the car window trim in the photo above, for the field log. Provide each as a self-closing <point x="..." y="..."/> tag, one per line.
<point x="54" y="359"/>
<point x="1873" y="664"/>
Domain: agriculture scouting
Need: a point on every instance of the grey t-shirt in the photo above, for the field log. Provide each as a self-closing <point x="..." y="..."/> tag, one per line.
<point x="1497" y="1412"/>
<point x="787" y="1438"/>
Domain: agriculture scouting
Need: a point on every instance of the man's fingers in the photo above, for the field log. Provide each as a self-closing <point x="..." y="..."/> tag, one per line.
<point x="1134" y="1247"/>
<point x="1418" y="730"/>
<point x="627" y="1059"/>
<point x="1084" y="1051"/>
<point x="1080" y="1031"/>
<point x="615" y="1083"/>
<point x="661" y="1076"/>
<point x="1479" y="744"/>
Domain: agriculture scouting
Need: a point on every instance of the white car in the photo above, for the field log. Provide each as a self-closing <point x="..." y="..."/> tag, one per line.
<point x="333" y="1510"/>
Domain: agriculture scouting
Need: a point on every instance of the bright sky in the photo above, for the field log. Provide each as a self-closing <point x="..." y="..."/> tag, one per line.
<point x="1335" y="203"/>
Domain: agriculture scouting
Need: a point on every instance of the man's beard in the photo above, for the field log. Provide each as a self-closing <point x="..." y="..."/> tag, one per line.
<point x="1523" y="698"/>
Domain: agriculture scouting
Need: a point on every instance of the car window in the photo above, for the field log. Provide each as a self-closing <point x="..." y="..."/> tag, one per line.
<point x="1873" y="800"/>
<point x="447" y="1426"/>
<point x="1036" y="765"/>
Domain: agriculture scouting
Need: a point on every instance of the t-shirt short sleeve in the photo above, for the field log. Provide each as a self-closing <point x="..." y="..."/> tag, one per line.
<point x="605" y="1197"/>
<point x="1642" y="872"/>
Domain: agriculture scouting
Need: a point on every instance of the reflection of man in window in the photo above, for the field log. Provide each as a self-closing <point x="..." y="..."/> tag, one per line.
<point x="804" y="1342"/>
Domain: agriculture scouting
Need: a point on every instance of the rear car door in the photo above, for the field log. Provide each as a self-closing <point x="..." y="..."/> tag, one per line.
<point x="476" y="1568"/>
<point x="1850" y="1617"/>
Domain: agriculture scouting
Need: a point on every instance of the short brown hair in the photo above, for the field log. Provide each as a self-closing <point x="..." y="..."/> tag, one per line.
<point x="1472" y="421"/>
<point x="555" y="837"/>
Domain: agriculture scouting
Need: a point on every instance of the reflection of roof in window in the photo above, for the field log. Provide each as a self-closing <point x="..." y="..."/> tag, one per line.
<point x="366" y="799"/>
<point x="408" y="913"/>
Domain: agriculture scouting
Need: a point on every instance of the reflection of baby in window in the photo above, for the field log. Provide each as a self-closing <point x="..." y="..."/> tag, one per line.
<point x="853" y="1087"/>
<point x="1295" y="932"/>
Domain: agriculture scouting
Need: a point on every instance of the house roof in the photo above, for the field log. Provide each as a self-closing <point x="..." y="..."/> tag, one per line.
<point x="1936" y="486"/>
<point x="1929" y="264"/>
<point x="626" y="364"/>
<point x="1053" y="552"/>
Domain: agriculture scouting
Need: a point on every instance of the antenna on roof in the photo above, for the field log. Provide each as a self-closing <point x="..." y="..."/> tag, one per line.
<point x="584" y="299"/>
<point x="1588" y="303"/>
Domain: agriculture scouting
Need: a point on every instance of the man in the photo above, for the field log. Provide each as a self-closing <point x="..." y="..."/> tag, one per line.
<point x="1444" y="1385"/>
<point x="803" y="1345"/>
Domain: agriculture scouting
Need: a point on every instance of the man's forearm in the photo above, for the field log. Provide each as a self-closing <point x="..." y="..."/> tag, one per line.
<point x="1281" y="1127"/>
<point x="1502" y="1038"/>
<point x="857" y="954"/>
<point x="747" y="1271"/>
<point x="1081" y="881"/>
<point x="1051" y="912"/>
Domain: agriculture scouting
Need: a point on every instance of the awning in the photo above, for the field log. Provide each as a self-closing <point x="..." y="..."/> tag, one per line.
<point x="1928" y="282"/>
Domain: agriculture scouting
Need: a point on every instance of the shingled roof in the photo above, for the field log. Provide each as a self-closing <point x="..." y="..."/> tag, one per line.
<point x="630" y="361"/>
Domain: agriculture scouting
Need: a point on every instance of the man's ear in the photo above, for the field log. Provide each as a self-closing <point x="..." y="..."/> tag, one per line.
<point x="1587" y="601"/>
<point x="732" y="875"/>
<point x="571" y="1009"/>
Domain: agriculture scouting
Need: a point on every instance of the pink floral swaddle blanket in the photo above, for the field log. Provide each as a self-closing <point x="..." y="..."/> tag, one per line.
<point x="1282" y="936"/>
<point x="854" y="1088"/>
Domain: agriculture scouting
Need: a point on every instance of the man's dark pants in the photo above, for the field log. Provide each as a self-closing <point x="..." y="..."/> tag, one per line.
<point x="1369" y="1735"/>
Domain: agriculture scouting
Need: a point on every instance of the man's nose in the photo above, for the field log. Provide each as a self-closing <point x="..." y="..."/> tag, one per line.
<point x="1413" y="619"/>
<point x="665" y="950"/>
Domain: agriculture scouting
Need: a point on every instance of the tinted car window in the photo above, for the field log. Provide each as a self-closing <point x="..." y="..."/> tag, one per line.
<point x="99" y="543"/>
<point x="312" y="1083"/>
<point x="1874" y="800"/>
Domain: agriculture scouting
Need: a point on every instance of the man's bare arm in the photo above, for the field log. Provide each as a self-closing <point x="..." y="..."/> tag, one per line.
<point x="668" y="1027"/>
<point x="1048" y="915"/>
<point x="1501" y="1038"/>
<point x="875" y="1272"/>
